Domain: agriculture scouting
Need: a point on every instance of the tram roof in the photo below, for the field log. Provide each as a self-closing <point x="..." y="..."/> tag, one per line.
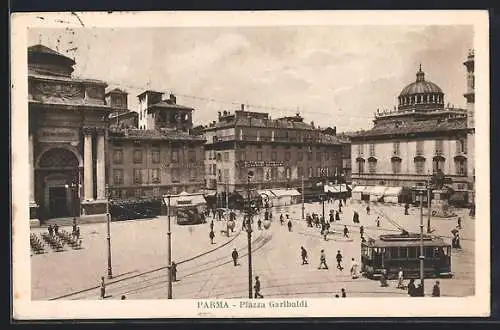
<point x="405" y="241"/>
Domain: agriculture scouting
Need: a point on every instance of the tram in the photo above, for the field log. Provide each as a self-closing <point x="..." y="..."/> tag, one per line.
<point x="389" y="253"/>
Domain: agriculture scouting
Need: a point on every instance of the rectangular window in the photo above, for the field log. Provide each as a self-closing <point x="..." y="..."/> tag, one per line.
<point x="300" y="172"/>
<point x="175" y="155"/>
<point x="361" y="166"/>
<point x="310" y="174"/>
<point x="259" y="155"/>
<point x="137" y="175"/>
<point x="273" y="156"/>
<point x="118" y="176"/>
<point x="309" y="155"/>
<point x="226" y="156"/>
<point x="175" y="175"/>
<point x="137" y="156"/>
<point x="242" y="156"/>
<point x="138" y="193"/>
<point x="287" y="155"/>
<point x="118" y="156"/>
<point x="461" y="146"/>
<point x="192" y="174"/>
<point x="155" y="175"/>
<point x="300" y="156"/>
<point x="439" y="147"/>
<point x="274" y="173"/>
<point x="155" y="155"/>
<point x="372" y="150"/>
<point x="226" y="175"/>
<point x="327" y="155"/>
<point x="360" y="149"/>
<point x="219" y="157"/>
<point x="192" y="155"/>
<point x="396" y="166"/>
<point x="420" y="166"/>
<point x="420" y="148"/>
<point x="396" y="148"/>
<point x="372" y="166"/>
<point x="219" y="175"/>
<point x="461" y="168"/>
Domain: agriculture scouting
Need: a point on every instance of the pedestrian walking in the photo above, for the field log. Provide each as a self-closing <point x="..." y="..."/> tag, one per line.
<point x="378" y="221"/>
<point x="361" y="231"/>
<point x="340" y="208"/>
<point x="332" y="217"/>
<point x="459" y="223"/>
<point x="354" y="269"/>
<point x="123" y="297"/>
<point x="400" y="279"/>
<point x="103" y="288"/>
<point x="322" y="260"/>
<point x="289" y="225"/>
<point x="368" y="209"/>
<point x="256" y="288"/>
<point x="51" y="230"/>
<point x="407" y="206"/>
<point x="212" y="236"/>
<point x="77" y="232"/>
<point x="211" y="225"/>
<point x="56" y="229"/>
<point x="259" y="224"/>
<point x="74" y="226"/>
<point x="234" y="255"/>
<point x="339" y="260"/>
<point x="303" y="254"/>
<point x="420" y="290"/>
<point x="282" y="221"/>
<point x="344" y="295"/>
<point x="337" y="216"/>
<point x="436" y="291"/>
<point x="383" y="279"/>
<point x="346" y="232"/>
<point x="411" y="288"/>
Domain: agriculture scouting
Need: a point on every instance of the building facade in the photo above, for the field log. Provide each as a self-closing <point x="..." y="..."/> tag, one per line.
<point x="280" y="152"/>
<point x="406" y="146"/>
<point x="153" y="152"/>
<point x="470" y="98"/>
<point x="67" y="135"/>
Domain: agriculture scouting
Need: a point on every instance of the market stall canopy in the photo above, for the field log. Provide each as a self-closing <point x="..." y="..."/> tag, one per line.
<point x="378" y="190"/>
<point x="359" y="189"/>
<point x="336" y="188"/>
<point x="393" y="191"/>
<point x="285" y="192"/>
<point x="267" y="193"/>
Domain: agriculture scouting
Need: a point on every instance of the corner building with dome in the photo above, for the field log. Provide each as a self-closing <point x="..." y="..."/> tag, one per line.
<point x="419" y="137"/>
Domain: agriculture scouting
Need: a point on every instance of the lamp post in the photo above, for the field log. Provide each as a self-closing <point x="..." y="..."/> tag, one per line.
<point x="249" y="235"/>
<point x="302" y="197"/>
<point x="422" y="256"/>
<point x="108" y="234"/>
<point x="428" y="188"/>
<point x="169" y="252"/>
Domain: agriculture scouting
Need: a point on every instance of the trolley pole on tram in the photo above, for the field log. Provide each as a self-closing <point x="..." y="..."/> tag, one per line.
<point x="421" y="257"/>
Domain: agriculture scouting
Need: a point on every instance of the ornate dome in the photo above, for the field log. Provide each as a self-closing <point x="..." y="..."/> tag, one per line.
<point x="46" y="61"/>
<point x="421" y="95"/>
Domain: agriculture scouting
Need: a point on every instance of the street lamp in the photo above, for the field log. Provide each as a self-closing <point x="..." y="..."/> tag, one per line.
<point x="422" y="256"/>
<point x="302" y="197"/>
<point x="108" y="235"/>
<point x="249" y="235"/>
<point x="428" y="188"/>
<point x="169" y="251"/>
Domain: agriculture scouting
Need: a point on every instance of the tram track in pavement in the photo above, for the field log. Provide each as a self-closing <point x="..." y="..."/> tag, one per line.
<point x="157" y="281"/>
<point x="150" y="271"/>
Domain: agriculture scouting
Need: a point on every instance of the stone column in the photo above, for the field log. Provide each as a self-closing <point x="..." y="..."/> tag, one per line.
<point x="101" y="166"/>
<point x="88" y="184"/>
<point x="32" y="170"/>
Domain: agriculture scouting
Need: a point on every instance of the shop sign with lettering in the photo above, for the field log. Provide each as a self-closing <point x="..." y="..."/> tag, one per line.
<point x="249" y="163"/>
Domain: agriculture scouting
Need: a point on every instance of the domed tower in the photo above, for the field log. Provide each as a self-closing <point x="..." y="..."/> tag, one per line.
<point x="421" y="95"/>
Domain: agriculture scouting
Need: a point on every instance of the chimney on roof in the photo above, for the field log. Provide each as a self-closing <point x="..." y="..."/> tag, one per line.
<point x="242" y="107"/>
<point x="172" y="98"/>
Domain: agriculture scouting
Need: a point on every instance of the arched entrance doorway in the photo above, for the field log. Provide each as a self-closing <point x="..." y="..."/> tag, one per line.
<point x="58" y="181"/>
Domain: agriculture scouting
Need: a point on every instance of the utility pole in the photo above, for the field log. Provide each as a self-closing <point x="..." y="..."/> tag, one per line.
<point x="169" y="251"/>
<point x="428" y="206"/>
<point x="422" y="256"/>
<point x="249" y="236"/>
<point x="227" y="196"/>
<point x="302" y="197"/>
<point x="108" y="235"/>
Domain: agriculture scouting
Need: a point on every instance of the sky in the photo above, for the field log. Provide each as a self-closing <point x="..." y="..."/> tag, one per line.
<point x="333" y="75"/>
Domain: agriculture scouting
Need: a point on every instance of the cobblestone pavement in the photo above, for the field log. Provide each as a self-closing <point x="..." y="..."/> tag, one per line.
<point x="276" y="259"/>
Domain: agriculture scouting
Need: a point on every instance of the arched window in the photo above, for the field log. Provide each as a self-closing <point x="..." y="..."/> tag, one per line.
<point x="419" y="162"/>
<point x="361" y="165"/>
<point x="372" y="165"/>
<point x="438" y="163"/>
<point x="396" y="165"/>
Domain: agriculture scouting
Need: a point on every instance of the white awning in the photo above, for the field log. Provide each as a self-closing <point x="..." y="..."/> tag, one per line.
<point x="368" y="190"/>
<point x="285" y="192"/>
<point x="378" y="190"/>
<point x="393" y="191"/>
<point x="359" y="189"/>
<point x="336" y="188"/>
